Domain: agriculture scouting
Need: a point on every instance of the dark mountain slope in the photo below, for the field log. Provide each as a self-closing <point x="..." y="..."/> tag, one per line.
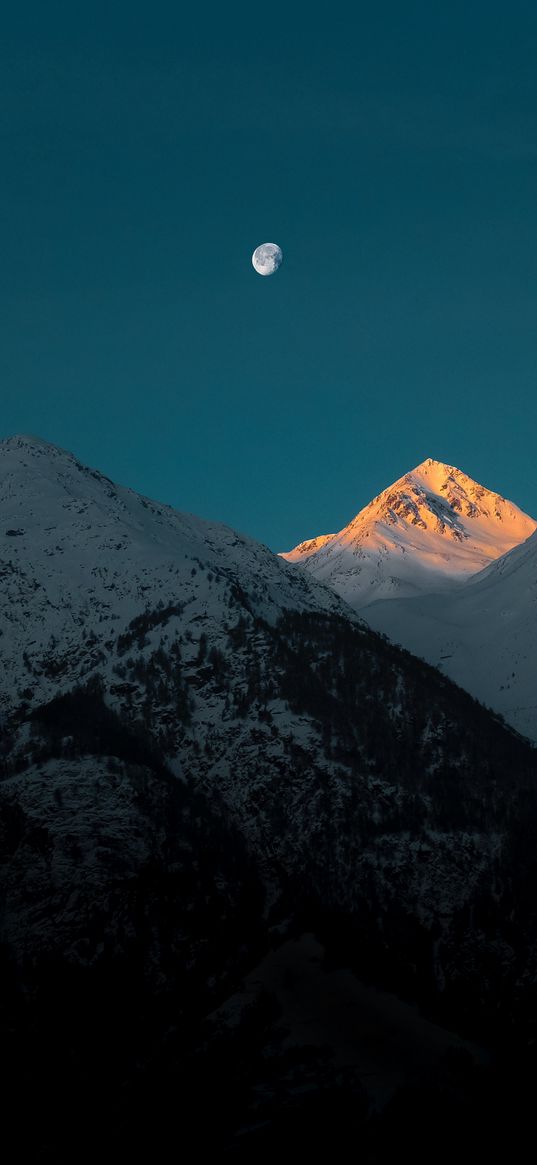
<point x="201" y="751"/>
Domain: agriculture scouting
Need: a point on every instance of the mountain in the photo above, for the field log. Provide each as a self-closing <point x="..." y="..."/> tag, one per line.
<point x="433" y="528"/>
<point x="204" y="750"/>
<point x="483" y="636"/>
<point x="81" y="557"/>
<point x="226" y="667"/>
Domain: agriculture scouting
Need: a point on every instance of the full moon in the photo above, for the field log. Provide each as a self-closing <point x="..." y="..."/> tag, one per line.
<point x="267" y="258"/>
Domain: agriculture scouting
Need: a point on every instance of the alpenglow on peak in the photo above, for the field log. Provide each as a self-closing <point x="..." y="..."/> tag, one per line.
<point x="433" y="528"/>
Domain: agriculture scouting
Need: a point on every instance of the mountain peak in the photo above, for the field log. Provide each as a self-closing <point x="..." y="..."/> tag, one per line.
<point x="431" y="466"/>
<point x="433" y="469"/>
<point x="429" y="461"/>
<point x="82" y="557"/>
<point x="433" y="527"/>
<point x="29" y="443"/>
<point x="20" y="440"/>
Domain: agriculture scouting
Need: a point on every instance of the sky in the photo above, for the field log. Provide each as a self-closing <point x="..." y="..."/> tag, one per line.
<point x="391" y="151"/>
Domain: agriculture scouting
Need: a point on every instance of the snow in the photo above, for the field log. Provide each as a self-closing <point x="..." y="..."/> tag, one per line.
<point x="447" y="569"/>
<point x="81" y="556"/>
<point x="484" y="636"/>
<point x="434" y="527"/>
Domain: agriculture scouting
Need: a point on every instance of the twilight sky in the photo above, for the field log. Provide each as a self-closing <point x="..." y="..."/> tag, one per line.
<point x="391" y="150"/>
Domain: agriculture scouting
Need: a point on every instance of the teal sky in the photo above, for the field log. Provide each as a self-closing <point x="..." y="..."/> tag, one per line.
<point x="391" y="150"/>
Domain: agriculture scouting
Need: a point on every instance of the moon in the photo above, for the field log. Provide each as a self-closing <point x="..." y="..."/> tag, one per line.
<point x="267" y="258"/>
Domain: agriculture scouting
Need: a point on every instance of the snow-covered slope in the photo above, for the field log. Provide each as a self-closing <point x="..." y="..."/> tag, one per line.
<point x="484" y="636"/>
<point x="435" y="527"/>
<point x="199" y="742"/>
<point x="147" y="653"/>
<point x="81" y="556"/>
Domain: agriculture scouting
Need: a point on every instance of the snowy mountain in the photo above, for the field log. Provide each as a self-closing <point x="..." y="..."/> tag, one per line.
<point x="233" y="667"/>
<point x="201" y="747"/>
<point x="80" y="557"/>
<point x="433" y="528"/>
<point x="483" y="636"/>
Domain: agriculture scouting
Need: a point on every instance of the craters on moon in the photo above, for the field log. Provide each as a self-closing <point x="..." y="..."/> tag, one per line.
<point x="267" y="258"/>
